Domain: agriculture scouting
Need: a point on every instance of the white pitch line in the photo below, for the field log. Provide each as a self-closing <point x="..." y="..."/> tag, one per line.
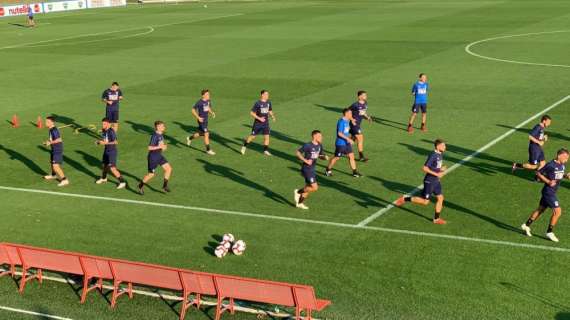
<point x="289" y="219"/>
<point x="32" y="313"/>
<point x="382" y="211"/>
<point x="469" y="51"/>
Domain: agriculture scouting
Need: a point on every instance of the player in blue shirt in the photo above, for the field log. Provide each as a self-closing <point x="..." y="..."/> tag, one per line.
<point x="359" y="111"/>
<point x="537" y="137"/>
<point x="112" y="97"/>
<point x="31" y="22"/>
<point x="343" y="144"/>
<point x="55" y="142"/>
<point x="109" y="161"/>
<point x="155" y="158"/>
<point x="261" y="111"/>
<point x="434" y="170"/>
<point x="551" y="174"/>
<point x="201" y="111"/>
<point x="420" y="91"/>
<point x="308" y="154"/>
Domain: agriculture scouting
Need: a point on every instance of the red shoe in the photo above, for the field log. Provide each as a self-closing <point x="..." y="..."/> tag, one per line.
<point x="439" y="221"/>
<point x="424" y="128"/>
<point x="410" y="129"/>
<point x="400" y="201"/>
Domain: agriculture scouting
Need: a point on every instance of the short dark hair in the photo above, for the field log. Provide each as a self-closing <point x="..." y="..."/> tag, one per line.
<point x="157" y="123"/>
<point x="437" y="142"/>
<point x="545" y="117"/>
<point x="263" y="91"/>
<point x="562" y="151"/>
<point x="360" y="92"/>
<point x="204" y="91"/>
<point x="421" y="75"/>
<point x="115" y="83"/>
<point x="105" y="120"/>
<point x="50" y="118"/>
<point x="345" y="111"/>
<point x="315" y="132"/>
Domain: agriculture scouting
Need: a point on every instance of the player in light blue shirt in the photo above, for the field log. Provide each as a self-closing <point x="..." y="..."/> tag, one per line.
<point x="31" y="22"/>
<point x="343" y="144"/>
<point x="420" y="92"/>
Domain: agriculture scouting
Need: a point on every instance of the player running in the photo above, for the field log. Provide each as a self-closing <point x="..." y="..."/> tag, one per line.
<point x="308" y="154"/>
<point x="30" y="22"/>
<point x="536" y="138"/>
<point x="420" y="92"/>
<point x="109" y="161"/>
<point x="56" y="153"/>
<point x="343" y="144"/>
<point x="261" y="111"/>
<point x="434" y="170"/>
<point x="359" y="110"/>
<point x="112" y="97"/>
<point x="155" y="158"/>
<point x="550" y="174"/>
<point x="201" y="111"/>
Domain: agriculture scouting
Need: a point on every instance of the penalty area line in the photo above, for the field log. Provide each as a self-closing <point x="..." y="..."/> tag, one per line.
<point x="290" y="219"/>
<point x="382" y="211"/>
<point x="33" y="313"/>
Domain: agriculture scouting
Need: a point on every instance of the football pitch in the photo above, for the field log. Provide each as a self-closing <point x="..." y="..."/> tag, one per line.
<point x="494" y="68"/>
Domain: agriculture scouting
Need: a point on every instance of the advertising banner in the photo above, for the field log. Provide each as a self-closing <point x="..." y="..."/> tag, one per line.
<point x="64" y="6"/>
<point x="20" y="10"/>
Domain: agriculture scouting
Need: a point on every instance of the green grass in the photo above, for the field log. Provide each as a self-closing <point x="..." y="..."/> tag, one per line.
<point x="312" y="56"/>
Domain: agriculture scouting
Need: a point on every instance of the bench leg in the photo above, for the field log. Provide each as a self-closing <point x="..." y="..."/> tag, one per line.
<point x="130" y="290"/>
<point x="219" y="309"/>
<point x="85" y="289"/>
<point x="115" y="293"/>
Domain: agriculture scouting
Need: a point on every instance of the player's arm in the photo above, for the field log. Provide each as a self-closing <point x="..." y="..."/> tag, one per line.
<point x="302" y="158"/>
<point x="272" y="116"/>
<point x="55" y="141"/>
<point x="256" y="117"/>
<point x="427" y="170"/>
<point x="342" y="136"/>
<point x="196" y="115"/>
<point x="120" y="95"/>
<point x="323" y="156"/>
<point x="535" y="140"/>
<point x="211" y="111"/>
<point x="544" y="179"/>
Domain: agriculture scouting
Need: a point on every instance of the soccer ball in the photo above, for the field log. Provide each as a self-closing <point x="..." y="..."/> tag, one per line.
<point x="228" y="237"/>
<point x="239" y="248"/>
<point x="226" y="244"/>
<point x="220" y="251"/>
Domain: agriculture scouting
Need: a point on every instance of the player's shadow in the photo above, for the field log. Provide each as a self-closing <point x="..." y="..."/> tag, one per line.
<point x="382" y="121"/>
<point x="76" y="165"/>
<point x="550" y="134"/>
<point x="562" y="316"/>
<point x="237" y="176"/>
<point x="19" y="25"/>
<point x="213" y="244"/>
<point x="218" y="139"/>
<point x="77" y="127"/>
<point x="15" y="155"/>
<point x="96" y="163"/>
<point x="524" y="292"/>
<point x="149" y="130"/>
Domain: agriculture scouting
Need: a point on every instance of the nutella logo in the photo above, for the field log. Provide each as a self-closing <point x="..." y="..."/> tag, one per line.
<point x="18" y="10"/>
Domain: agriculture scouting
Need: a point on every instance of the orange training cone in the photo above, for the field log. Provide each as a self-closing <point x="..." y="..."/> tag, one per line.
<point x="40" y="123"/>
<point x="15" y="121"/>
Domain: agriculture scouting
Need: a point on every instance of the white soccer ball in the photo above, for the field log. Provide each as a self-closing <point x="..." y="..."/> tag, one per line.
<point x="226" y="244"/>
<point x="220" y="251"/>
<point x="228" y="237"/>
<point x="239" y="248"/>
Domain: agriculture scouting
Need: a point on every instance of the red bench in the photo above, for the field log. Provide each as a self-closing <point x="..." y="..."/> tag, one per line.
<point x="9" y="256"/>
<point x="198" y="284"/>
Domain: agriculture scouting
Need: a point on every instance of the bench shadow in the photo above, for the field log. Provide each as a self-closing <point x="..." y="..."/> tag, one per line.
<point x="149" y="130"/>
<point x="534" y="297"/>
<point x="15" y="155"/>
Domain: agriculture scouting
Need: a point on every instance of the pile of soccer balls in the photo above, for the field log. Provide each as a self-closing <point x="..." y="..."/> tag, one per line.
<point x="228" y="242"/>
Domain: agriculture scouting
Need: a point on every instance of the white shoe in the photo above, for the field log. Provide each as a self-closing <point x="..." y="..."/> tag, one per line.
<point x="50" y="177"/>
<point x="101" y="181"/>
<point x="188" y="141"/>
<point x="526" y="229"/>
<point x="267" y="153"/>
<point x="122" y="185"/>
<point x="302" y="206"/>
<point x="243" y="150"/>
<point x="63" y="183"/>
<point x="210" y="152"/>
<point x="551" y="236"/>
<point x="296" y="196"/>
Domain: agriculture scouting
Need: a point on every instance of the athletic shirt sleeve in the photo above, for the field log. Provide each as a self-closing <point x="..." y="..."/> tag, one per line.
<point x="54" y="134"/>
<point x="415" y="88"/>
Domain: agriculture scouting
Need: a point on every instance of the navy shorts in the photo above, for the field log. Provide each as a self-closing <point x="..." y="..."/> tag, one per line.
<point x="310" y="176"/>
<point x="260" y="128"/>
<point x="109" y="159"/>
<point x="535" y="154"/>
<point x="202" y="127"/>
<point x="431" y="187"/>
<point x="355" y="129"/>
<point x="112" y="114"/>
<point x="340" y="151"/>
<point x="154" y="161"/>
<point x="56" y="158"/>
<point x="549" y="202"/>
<point x="31" y="17"/>
<point x="417" y="107"/>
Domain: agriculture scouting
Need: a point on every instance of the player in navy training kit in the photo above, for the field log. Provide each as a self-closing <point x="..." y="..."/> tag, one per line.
<point x="359" y="110"/>
<point x="536" y="138"/>
<point x="308" y="154"/>
<point x="201" y="111"/>
<point x="420" y="92"/>
<point x="109" y="160"/>
<point x="112" y="97"/>
<point x="343" y="144"/>
<point x="31" y="22"/>
<point x="56" y="153"/>
<point x="261" y="111"/>
<point x="551" y="174"/>
<point x="434" y="170"/>
<point x="155" y="157"/>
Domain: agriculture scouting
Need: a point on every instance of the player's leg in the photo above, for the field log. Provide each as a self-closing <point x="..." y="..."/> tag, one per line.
<point x="167" y="173"/>
<point x="52" y="175"/>
<point x="266" y="143"/>
<point x="248" y="140"/>
<point x="412" y="118"/>
<point x="533" y="217"/>
<point x="438" y="208"/>
<point x="195" y="135"/>
<point x="352" y="163"/>
<point x="421" y="200"/>
<point x="330" y="165"/>
<point x="153" y="163"/>
<point x="207" y="143"/>
<point x="310" y="186"/>
<point x="360" y="146"/>
<point x="59" y="172"/>
<point x="556" y="213"/>
<point x="117" y="174"/>
<point x="424" y="117"/>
